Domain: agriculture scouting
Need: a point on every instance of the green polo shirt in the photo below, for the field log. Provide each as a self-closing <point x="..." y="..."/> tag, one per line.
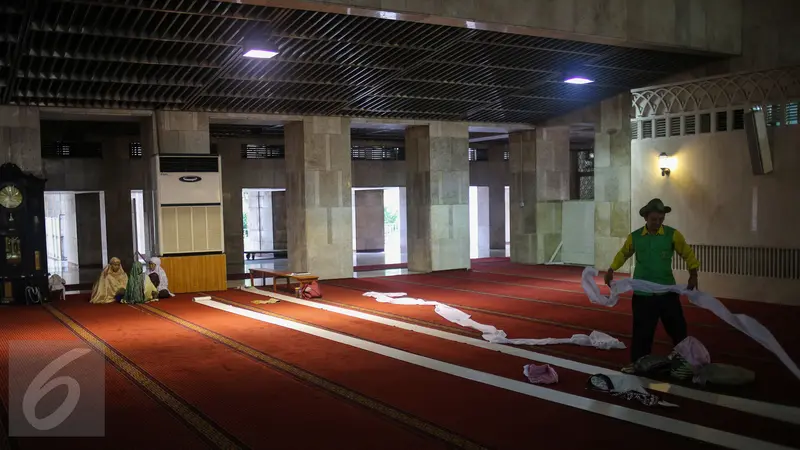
<point x="654" y="254"/>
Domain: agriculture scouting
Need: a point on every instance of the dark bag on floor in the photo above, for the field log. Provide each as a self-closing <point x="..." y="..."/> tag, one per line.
<point x="652" y="364"/>
<point x="311" y="291"/>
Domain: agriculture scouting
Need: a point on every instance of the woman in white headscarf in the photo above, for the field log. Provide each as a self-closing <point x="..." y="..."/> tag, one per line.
<point x="159" y="277"/>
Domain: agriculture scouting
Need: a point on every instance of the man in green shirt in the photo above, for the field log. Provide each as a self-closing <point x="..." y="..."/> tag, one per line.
<point x="653" y="246"/>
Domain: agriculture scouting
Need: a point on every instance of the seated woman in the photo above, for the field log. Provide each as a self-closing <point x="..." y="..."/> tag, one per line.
<point x="139" y="288"/>
<point x="159" y="278"/>
<point x="110" y="287"/>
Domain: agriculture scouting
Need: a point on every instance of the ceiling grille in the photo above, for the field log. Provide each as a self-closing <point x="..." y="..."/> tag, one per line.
<point x="378" y="153"/>
<point x="181" y="55"/>
<point x="72" y="150"/>
<point x="256" y="151"/>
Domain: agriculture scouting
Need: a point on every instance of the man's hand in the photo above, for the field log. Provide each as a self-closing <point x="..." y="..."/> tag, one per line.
<point x="609" y="277"/>
<point x="692" y="284"/>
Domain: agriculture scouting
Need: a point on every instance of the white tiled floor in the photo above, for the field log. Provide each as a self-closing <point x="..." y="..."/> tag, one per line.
<point x="75" y="275"/>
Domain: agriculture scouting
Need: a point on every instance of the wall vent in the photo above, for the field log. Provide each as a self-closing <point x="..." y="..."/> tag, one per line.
<point x="738" y="119"/>
<point x="661" y="127"/>
<point x="647" y="129"/>
<point x="705" y="123"/>
<point x="634" y="129"/>
<point x="722" y="121"/>
<point x="690" y="125"/>
<point x="762" y="262"/>
<point x="675" y="126"/>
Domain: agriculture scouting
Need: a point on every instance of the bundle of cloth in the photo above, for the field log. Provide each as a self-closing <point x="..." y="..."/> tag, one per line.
<point x="596" y="339"/>
<point x="690" y="358"/>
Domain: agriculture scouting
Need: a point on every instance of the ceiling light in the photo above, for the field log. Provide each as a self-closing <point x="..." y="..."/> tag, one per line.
<point x="258" y="53"/>
<point x="578" y="80"/>
<point x="259" y="47"/>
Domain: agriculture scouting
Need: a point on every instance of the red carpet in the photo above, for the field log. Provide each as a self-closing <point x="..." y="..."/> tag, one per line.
<point x="492" y="362"/>
<point x="247" y="397"/>
<point x="129" y="409"/>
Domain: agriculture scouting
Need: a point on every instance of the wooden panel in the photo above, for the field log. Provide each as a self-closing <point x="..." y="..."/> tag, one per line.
<point x="196" y="273"/>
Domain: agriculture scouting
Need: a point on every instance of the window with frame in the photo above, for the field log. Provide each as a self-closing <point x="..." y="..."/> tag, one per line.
<point x="582" y="180"/>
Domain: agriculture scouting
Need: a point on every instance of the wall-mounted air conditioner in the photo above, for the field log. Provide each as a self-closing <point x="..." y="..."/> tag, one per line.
<point x="189" y="196"/>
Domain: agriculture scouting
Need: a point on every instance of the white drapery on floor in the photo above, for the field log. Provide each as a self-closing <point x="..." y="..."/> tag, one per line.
<point x="741" y="322"/>
<point x="596" y="339"/>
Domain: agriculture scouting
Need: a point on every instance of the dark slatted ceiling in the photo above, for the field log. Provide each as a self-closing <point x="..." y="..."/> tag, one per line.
<point x="181" y="54"/>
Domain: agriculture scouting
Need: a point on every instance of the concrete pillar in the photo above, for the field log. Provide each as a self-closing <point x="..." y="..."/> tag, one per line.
<point x="552" y="187"/>
<point x="612" y="179"/>
<point x="182" y="132"/>
<point x="117" y="181"/>
<point x="522" y="197"/>
<point x="437" y="184"/>
<point x="369" y="220"/>
<point x="540" y="169"/>
<point x="90" y="232"/>
<point x="498" y="167"/>
<point x="20" y="140"/>
<point x="318" y="196"/>
<point x="169" y="132"/>
<point x="279" y="237"/>
<point x="403" y="219"/>
<point x="232" y="220"/>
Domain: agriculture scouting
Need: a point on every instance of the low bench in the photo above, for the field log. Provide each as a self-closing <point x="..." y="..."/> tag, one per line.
<point x="275" y="253"/>
<point x="304" y="279"/>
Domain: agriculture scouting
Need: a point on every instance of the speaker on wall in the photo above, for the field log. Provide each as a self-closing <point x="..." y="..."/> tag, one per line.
<point x="758" y="141"/>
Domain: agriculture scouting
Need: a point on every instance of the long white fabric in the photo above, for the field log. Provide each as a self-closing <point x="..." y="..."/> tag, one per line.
<point x="596" y="339"/>
<point x="741" y="322"/>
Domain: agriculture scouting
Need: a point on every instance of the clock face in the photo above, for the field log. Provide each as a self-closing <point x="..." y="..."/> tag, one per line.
<point x="10" y="197"/>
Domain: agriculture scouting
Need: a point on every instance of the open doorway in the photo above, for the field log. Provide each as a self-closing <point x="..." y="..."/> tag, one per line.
<point x="264" y="224"/>
<point x="508" y="221"/>
<point x="479" y="222"/>
<point x="75" y="228"/>
<point x="137" y="217"/>
<point x="379" y="226"/>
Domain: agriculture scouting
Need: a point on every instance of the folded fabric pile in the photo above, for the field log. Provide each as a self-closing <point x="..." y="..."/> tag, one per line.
<point x="690" y="360"/>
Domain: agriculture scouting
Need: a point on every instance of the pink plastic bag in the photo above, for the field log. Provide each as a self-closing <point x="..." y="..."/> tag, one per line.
<point x="540" y="374"/>
<point x="694" y="352"/>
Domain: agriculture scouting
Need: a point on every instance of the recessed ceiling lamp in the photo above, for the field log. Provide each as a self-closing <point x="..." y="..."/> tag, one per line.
<point x="578" y="80"/>
<point x="259" y="48"/>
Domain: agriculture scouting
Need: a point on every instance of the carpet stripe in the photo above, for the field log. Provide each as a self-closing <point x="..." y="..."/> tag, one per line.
<point x="319" y="382"/>
<point x="773" y="411"/>
<point x="673" y="426"/>
<point x="203" y="425"/>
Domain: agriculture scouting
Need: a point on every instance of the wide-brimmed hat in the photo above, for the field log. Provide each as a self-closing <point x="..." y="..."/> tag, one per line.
<point x="654" y="205"/>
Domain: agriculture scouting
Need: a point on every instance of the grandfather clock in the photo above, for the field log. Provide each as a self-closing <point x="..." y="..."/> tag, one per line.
<point x="23" y="241"/>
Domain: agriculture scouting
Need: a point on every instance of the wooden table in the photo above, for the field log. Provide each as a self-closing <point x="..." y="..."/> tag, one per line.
<point x="303" y="279"/>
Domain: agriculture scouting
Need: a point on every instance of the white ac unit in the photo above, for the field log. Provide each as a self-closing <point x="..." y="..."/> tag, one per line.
<point x="189" y="196"/>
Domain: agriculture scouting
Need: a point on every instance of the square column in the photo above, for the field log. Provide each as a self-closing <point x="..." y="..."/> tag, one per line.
<point x="88" y="212"/>
<point x="612" y="180"/>
<point x="118" y="179"/>
<point x="183" y="132"/>
<point x="522" y="197"/>
<point x="20" y="139"/>
<point x="437" y="186"/>
<point x="319" y="197"/>
<point x="552" y="187"/>
<point x="498" y="172"/>
<point x="279" y="220"/>
<point x="369" y="220"/>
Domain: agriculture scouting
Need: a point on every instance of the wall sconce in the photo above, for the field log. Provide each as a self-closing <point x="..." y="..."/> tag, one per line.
<point x="663" y="164"/>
